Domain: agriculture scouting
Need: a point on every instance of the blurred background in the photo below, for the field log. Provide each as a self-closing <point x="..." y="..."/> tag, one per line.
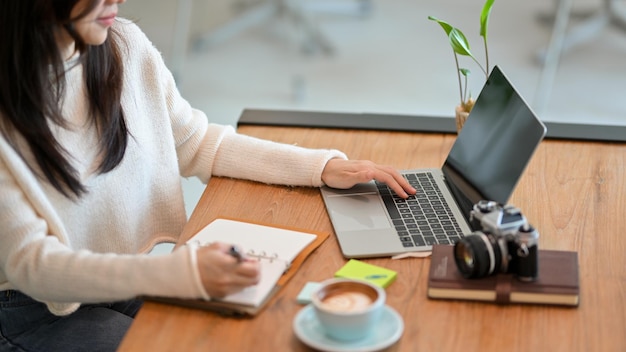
<point x="385" y="56"/>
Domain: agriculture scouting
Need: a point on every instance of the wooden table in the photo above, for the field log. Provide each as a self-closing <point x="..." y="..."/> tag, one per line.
<point x="573" y="192"/>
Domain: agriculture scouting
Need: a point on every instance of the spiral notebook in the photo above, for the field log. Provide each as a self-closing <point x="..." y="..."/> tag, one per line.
<point x="280" y="251"/>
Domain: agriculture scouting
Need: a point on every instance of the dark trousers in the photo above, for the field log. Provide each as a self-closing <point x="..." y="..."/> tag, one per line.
<point x="27" y="325"/>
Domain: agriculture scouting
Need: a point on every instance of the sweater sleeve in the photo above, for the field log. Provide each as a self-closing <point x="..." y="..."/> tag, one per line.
<point x="36" y="259"/>
<point x="241" y="156"/>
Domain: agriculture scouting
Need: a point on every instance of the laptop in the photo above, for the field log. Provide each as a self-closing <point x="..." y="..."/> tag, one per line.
<point x="486" y="161"/>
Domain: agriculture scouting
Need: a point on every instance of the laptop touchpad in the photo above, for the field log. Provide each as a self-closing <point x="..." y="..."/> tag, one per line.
<point x="357" y="212"/>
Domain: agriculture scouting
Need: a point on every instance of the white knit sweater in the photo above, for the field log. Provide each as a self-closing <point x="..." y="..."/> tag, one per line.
<point x="65" y="252"/>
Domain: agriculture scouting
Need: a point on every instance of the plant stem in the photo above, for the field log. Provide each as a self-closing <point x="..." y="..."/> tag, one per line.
<point x="465" y="94"/>
<point x="458" y="73"/>
<point x="481" y="66"/>
<point x="486" y="58"/>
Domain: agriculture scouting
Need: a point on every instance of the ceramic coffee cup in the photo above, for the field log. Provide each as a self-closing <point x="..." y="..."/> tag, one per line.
<point x="348" y="309"/>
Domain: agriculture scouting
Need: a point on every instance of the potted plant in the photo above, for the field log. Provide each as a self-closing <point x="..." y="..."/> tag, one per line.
<point x="460" y="46"/>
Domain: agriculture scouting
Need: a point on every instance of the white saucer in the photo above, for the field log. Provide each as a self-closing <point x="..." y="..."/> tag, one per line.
<point x="310" y="332"/>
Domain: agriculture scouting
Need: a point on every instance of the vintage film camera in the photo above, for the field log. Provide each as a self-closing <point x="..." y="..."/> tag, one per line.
<point x="507" y="243"/>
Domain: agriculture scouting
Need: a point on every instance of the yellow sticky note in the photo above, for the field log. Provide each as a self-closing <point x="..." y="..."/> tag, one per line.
<point x="356" y="269"/>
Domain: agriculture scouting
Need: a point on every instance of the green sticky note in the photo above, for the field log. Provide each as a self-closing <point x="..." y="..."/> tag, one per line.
<point x="356" y="269"/>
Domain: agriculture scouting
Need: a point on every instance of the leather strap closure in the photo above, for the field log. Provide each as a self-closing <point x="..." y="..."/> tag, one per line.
<point x="503" y="288"/>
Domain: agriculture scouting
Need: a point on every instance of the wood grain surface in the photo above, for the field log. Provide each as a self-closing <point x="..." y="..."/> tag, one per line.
<point x="573" y="192"/>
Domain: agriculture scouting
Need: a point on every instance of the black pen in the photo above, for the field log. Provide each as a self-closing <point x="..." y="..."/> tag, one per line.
<point x="235" y="253"/>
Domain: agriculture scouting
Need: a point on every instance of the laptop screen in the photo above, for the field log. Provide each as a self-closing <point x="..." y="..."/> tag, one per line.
<point x="494" y="146"/>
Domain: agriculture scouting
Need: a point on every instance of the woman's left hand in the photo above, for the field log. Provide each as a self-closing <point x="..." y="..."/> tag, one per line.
<point x="340" y="173"/>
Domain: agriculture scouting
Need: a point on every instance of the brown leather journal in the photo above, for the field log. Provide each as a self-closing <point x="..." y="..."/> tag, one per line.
<point x="557" y="282"/>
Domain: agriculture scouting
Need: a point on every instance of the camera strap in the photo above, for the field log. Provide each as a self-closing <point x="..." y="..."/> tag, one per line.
<point x="503" y="288"/>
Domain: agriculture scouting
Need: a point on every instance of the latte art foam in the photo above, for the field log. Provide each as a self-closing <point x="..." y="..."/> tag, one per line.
<point x="347" y="302"/>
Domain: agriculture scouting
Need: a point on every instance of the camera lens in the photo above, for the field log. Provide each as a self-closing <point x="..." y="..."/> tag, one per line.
<point x="476" y="256"/>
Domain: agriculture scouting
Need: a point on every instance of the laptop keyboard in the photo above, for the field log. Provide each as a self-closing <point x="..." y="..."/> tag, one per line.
<point x="424" y="219"/>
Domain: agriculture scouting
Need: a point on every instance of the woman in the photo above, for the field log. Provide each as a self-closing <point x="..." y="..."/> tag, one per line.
<point x="94" y="139"/>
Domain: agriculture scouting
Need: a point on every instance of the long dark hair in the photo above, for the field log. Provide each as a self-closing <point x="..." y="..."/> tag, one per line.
<point x="32" y="76"/>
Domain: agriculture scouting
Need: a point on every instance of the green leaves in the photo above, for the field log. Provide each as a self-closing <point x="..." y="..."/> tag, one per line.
<point x="457" y="39"/>
<point x="484" y="18"/>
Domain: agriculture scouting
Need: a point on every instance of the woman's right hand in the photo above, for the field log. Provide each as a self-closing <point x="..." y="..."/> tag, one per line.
<point x="222" y="274"/>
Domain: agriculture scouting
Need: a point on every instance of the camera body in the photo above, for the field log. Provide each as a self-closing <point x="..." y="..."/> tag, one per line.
<point x="503" y="242"/>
